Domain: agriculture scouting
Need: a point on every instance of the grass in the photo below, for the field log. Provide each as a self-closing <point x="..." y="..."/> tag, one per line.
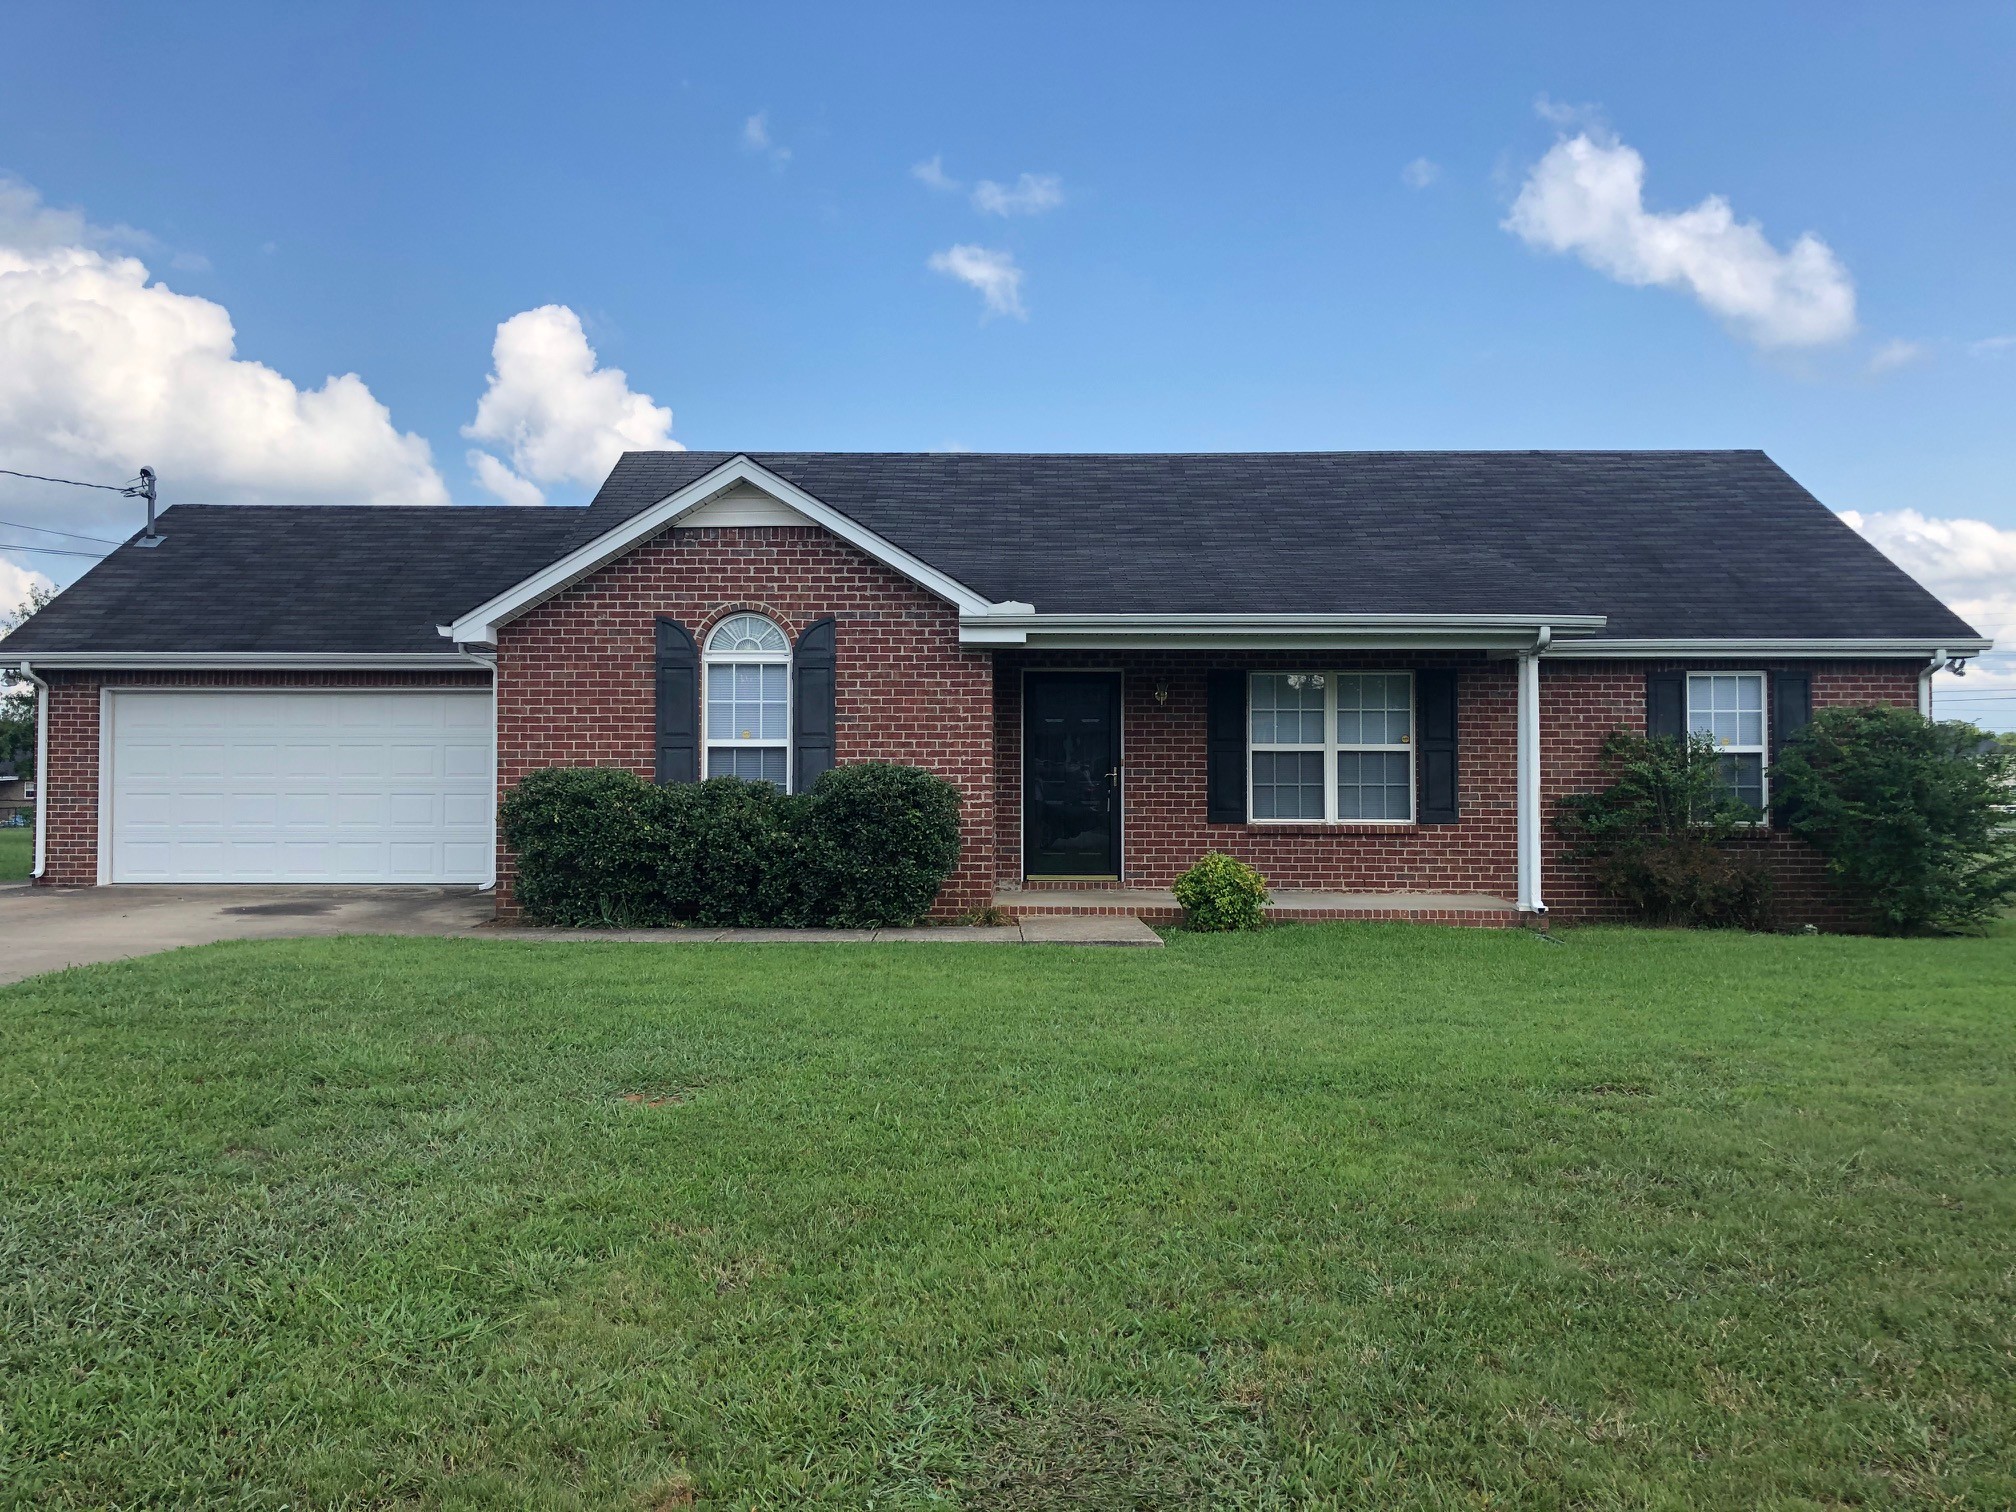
<point x="17" y="853"/>
<point x="1337" y="1216"/>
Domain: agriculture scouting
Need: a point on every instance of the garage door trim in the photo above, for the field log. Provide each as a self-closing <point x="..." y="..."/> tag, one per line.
<point x="107" y="691"/>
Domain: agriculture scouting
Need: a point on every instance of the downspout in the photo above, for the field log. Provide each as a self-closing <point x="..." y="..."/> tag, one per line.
<point x="41" y="771"/>
<point x="1530" y="903"/>
<point x="489" y="664"/>
<point x="1939" y="660"/>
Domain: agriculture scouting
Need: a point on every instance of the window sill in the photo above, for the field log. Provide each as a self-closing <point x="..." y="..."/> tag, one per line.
<point x="1330" y="826"/>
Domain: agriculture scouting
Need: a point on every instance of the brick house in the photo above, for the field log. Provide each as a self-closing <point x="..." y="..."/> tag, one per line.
<point x="1369" y="674"/>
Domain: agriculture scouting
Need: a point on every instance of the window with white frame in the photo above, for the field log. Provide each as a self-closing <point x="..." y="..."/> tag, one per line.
<point x="1728" y="707"/>
<point x="1332" y="747"/>
<point x="747" y="667"/>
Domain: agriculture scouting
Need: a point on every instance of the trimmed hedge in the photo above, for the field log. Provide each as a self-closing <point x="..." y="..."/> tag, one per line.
<point x="869" y="846"/>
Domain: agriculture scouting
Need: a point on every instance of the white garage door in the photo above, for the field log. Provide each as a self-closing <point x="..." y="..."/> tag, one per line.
<point x="298" y="787"/>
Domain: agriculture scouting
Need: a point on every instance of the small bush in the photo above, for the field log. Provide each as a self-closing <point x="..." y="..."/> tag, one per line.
<point x="1906" y="813"/>
<point x="1664" y="837"/>
<point x="869" y="846"/>
<point x="1219" y="893"/>
<point x="878" y="840"/>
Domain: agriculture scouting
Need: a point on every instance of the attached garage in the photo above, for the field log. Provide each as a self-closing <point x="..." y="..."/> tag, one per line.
<point x="329" y="786"/>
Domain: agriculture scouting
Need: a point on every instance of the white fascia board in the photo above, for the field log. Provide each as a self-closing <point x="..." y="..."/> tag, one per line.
<point x="285" y="661"/>
<point x="480" y="625"/>
<point x="1452" y="632"/>
<point x="1821" y="649"/>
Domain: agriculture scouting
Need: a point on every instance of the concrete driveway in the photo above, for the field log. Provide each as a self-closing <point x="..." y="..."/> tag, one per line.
<point x="48" y="928"/>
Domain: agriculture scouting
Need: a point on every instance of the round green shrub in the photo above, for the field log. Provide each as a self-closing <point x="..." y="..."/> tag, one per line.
<point x="1219" y="893"/>
<point x="877" y="841"/>
<point x="590" y="844"/>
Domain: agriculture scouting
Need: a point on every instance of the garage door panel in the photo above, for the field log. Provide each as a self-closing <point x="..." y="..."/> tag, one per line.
<point x="299" y="787"/>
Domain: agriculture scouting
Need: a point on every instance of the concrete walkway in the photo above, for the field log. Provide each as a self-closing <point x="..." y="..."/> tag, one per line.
<point x="46" y="928"/>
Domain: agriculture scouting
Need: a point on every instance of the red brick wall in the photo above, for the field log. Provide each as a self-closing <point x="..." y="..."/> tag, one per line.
<point x="1581" y="702"/>
<point x="1163" y="828"/>
<point x="69" y="789"/>
<point x="577" y="687"/>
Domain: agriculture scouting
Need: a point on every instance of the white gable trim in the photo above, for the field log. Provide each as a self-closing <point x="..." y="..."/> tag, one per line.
<point x="480" y="625"/>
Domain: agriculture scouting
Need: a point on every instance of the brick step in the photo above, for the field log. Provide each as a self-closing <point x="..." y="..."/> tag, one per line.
<point x="1158" y="905"/>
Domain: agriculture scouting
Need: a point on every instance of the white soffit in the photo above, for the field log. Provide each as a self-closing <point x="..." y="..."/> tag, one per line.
<point x="744" y="504"/>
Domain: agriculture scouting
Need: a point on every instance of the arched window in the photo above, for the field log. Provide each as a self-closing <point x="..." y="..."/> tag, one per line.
<point x="747" y="666"/>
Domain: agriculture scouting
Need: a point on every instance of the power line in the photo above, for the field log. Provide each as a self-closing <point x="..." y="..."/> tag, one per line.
<point x="77" y="535"/>
<point x="127" y="489"/>
<point x="96" y="556"/>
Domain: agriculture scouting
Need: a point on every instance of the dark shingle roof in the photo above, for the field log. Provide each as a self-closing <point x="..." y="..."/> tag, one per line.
<point x="335" y="578"/>
<point x="1667" y="544"/>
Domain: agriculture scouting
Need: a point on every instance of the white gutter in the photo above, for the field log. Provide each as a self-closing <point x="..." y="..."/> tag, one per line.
<point x="1939" y="659"/>
<point x="302" y="661"/>
<point x="489" y="664"/>
<point x="41" y="769"/>
<point x="1528" y="775"/>
<point x="1606" y="647"/>
<point x="1306" y="631"/>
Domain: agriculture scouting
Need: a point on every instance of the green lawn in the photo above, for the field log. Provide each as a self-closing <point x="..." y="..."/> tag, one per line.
<point x="17" y="853"/>
<point x="1337" y="1216"/>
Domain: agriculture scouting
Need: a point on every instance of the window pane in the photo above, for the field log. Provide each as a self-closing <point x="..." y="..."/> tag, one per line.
<point x="1743" y="779"/>
<point x="1728" y="707"/>
<point x="1287" y="785"/>
<point x="747" y="700"/>
<point x="1372" y="709"/>
<point x="756" y="763"/>
<point x="746" y="632"/>
<point x="1373" y="785"/>
<point x="1288" y="708"/>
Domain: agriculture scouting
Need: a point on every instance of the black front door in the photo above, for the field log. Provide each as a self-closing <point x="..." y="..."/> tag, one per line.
<point x="1071" y="774"/>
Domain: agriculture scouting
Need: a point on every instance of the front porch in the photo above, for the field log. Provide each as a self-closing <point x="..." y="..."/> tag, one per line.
<point x="1157" y="905"/>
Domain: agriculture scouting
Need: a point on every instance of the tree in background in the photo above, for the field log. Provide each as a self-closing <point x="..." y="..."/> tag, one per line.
<point x="1913" y="816"/>
<point x="17" y="700"/>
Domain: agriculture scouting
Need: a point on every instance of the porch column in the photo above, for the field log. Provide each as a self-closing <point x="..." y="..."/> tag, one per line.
<point x="1529" y="783"/>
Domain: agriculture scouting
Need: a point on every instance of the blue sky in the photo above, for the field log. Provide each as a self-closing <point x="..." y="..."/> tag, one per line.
<point x="1221" y="245"/>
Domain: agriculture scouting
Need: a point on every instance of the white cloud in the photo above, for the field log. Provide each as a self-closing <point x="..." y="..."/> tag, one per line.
<point x="102" y="370"/>
<point x="991" y="272"/>
<point x="1031" y="194"/>
<point x="1587" y="196"/>
<point x="1420" y="173"/>
<point x="1992" y="346"/>
<point x="931" y="173"/>
<point x="1898" y="354"/>
<point x="1970" y="564"/>
<point x="557" y="415"/>
<point x="27" y="224"/>
<point x="15" y="581"/>
<point x="498" y="479"/>
<point x="756" y="137"/>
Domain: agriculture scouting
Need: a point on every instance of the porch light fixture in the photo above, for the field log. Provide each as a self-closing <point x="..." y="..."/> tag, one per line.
<point x="1162" y="693"/>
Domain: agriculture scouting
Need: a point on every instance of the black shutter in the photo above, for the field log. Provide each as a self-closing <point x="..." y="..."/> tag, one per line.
<point x="678" y="704"/>
<point x="812" y="705"/>
<point x="1666" y="704"/>
<point x="1791" y="712"/>
<point x="1435" y="749"/>
<point x="1225" y="747"/>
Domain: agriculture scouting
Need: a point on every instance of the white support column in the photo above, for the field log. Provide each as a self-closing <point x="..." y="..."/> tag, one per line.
<point x="1529" y="783"/>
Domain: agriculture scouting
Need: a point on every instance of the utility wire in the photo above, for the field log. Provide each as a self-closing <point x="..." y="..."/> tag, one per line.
<point x="96" y="556"/>
<point x="76" y="535"/>
<point x="119" y="488"/>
